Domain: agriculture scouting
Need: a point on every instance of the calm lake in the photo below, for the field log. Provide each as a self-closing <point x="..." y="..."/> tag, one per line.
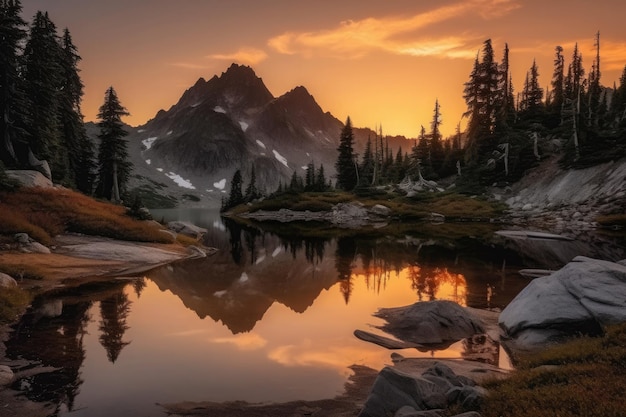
<point x="270" y="317"/>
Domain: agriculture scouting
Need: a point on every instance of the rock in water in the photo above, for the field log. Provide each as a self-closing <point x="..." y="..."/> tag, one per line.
<point x="583" y="296"/>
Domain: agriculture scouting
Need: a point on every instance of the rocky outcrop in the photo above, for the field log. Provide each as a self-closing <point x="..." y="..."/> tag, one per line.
<point x="29" y="245"/>
<point x="30" y="178"/>
<point x="187" y="229"/>
<point x="583" y="296"/>
<point x="427" y="325"/>
<point x="403" y="394"/>
<point x="7" y="281"/>
<point x="349" y="215"/>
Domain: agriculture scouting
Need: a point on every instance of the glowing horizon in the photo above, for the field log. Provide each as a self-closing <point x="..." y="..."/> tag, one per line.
<point x="380" y="64"/>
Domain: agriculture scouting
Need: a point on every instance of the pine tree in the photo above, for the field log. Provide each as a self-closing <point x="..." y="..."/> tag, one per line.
<point x="113" y="165"/>
<point x="436" y="146"/>
<point x="236" y="196"/>
<point x="531" y="105"/>
<point x="346" y="164"/>
<point x="557" y="98"/>
<point x="320" y="179"/>
<point x="483" y="99"/>
<point x="252" y="193"/>
<point x="81" y="154"/>
<point x="367" y="165"/>
<point x="42" y="74"/>
<point x="14" y="137"/>
<point x="309" y="177"/>
<point x="595" y="89"/>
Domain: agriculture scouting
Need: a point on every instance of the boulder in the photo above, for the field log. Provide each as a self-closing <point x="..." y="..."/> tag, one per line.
<point x="28" y="245"/>
<point x="30" y="178"/>
<point x="380" y="210"/>
<point x="401" y="394"/>
<point x="583" y="296"/>
<point x="6" y="281"/>
<point x="187" y="229"/>
<point x="6" y="375"/>
<point x="431" y="323"/>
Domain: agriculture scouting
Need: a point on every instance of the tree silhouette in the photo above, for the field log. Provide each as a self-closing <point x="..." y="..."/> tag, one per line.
<point x="113" y="314"/>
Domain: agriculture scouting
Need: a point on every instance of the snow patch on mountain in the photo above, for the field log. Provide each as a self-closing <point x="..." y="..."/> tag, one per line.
<point x="148" y="161"/>
<point x="244" y="126"/>
<point x="277" y="251"/>
<point x="219" y="109"/>
<point x="170" y="132"/>
<point x="243" y="278"/>
<point x="261" y="144"/>
<point x="160" y="169"/>
<point x="180" y="181"/>
<point x="149" y="142"/>
<point x="280" y="158"/>
<point x="221" y="184"/>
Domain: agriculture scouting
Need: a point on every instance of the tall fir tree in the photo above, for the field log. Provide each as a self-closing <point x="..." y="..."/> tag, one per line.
<point x="42" y="74"/>
<point x="557" y="98"/>
<point x="236" y="194"/>
<point x="595" y="89"/>
<point x="367" y="165"/>
<point x="252" y="192"/>
<point x="346" y="165"/>
<point x="14" y="119"/>
<point x="437" y="154"/>
<point x="114" y="168"/>
<point x="81" y="154"/>
<point x="531" y="105"/>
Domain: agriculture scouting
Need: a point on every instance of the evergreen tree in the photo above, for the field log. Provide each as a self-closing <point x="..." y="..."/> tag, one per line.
<point x="309" y="178"/>
<point x="42" y="74"/>
<point x="531" y="105"/>
<point x="14" y="137"/>
<point x="80" y="149"/>
<point x="595" y="89"/>
<point x="367" y="165"/>
<point x="236" y="196"/>
<point x="113" y="165"/>
<point x="252" y="193"/>
<point x="505" y="114"/>
<point x="618" y="101"/>
<point x="436" y="146"/>
<point x="557" y="98"/>
<point x="320" y="179"/>
<point x="483" y="99"/>
<point x="346" y="164"/>
<point x="575" y="75"/>
<point x="296" y="184"/>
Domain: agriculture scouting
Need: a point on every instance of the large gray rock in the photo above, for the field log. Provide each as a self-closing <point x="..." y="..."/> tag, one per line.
<point x="6" y="375"/>
<point x="6" y="281"/>
<point x="29" y="245"/>
<point x="187" y="229"/>
<point x="431" y="323"/>
<point x="583" y="296"/>
<point x="30" y="178"/>
<point x="398" y="393"/>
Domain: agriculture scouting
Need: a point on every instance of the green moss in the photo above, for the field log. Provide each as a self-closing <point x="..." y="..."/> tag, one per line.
<point x="584" y="377"/>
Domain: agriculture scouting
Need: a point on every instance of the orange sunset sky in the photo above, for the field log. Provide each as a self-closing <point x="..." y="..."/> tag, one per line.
<point x="379" y="62"/>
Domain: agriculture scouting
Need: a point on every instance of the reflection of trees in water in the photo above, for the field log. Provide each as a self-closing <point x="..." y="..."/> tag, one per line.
<point x="139" y="285"/>
<point x="344" y="262"/>
<point x="113" y="312"/>
<point x="52" y="341"/>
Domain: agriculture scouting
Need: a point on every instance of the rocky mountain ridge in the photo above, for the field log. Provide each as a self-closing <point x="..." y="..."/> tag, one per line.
<point x="190" y="151"/>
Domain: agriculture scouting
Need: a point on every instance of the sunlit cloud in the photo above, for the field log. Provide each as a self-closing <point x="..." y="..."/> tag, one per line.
<point x="245" y="342"/>
<point x="250" y="56"/>
<point x="354" y="39"/>
<point x="306" y="354"/>
<point x="188" y="65"/>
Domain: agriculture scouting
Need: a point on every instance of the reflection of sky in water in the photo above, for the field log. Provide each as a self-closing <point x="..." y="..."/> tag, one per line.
<point x="174" y="356"/>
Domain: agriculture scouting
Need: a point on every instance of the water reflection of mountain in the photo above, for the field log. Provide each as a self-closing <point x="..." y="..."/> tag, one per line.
<point x="254" y="269"/>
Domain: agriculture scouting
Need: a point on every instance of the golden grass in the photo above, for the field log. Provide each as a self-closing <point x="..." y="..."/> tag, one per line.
<point x="13" y="302"/>
<point x="584" y="377"/>
<point x="45" y="213"/>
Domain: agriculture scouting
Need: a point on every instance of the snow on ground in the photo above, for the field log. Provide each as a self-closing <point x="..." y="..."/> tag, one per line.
<point x="219" y="294"/>
<point x="148" y="161"/>
<point x="141" y="130"/>
<point x="180" y="181"/>
<point x="148" y="142"/>
<point x="219" y="109"/>
<point x="261" y="259"/>
<point x="244" y="126"/>
<point x="261" y="144"/>
<point x="304" y="167"/>
<point x="243" y="278"/>
<point x="280" y="158"/>
<point x="160" y="169"/>
<point x="220" y="184"/>
<point x="196" y="104"/>
<point x="170" y="132"/>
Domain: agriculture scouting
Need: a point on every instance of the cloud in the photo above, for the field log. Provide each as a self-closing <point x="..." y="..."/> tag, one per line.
<point x="245" y="342"/>
<point x="353" y="39"/>
<point x="250" y="56"/>
<point x="188" y="65"/>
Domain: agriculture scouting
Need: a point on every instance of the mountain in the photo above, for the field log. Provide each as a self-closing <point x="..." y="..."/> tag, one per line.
<point x="190" y="152"/>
